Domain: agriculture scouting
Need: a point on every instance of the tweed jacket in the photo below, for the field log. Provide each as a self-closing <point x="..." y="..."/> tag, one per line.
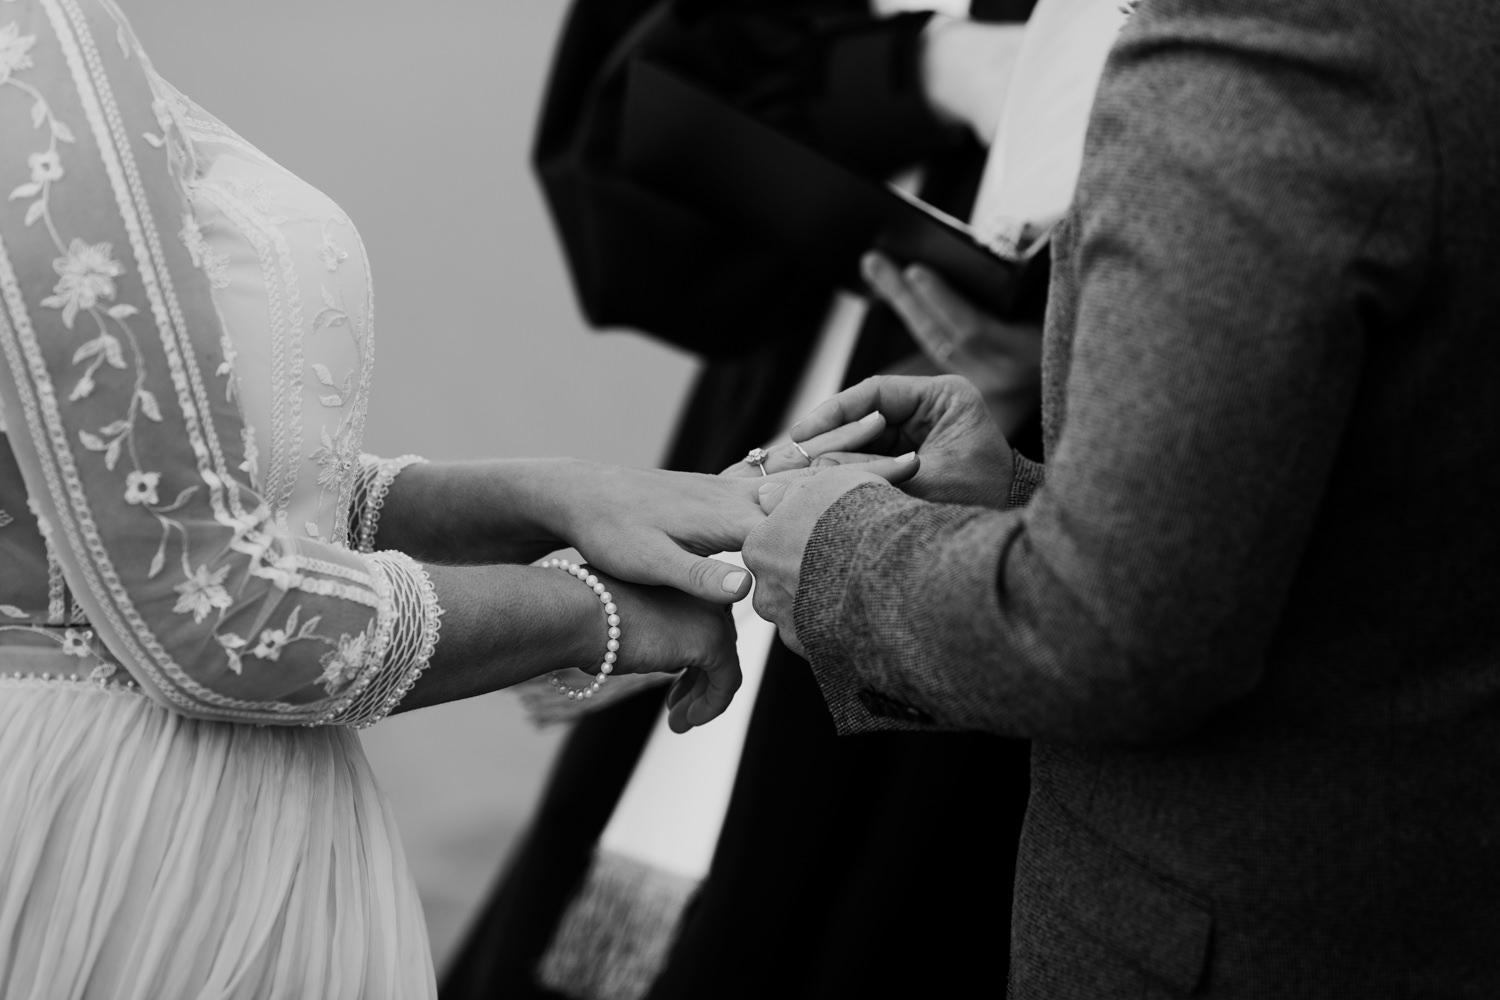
<point x="1249" y="613"/>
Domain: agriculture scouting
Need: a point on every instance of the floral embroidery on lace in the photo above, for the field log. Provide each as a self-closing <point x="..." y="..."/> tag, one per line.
<point x="14" y="47"/>
<point x="86" y="274"/>
<point x="202" y="592"/>
<point x="140" y="487"/>
<point x="122" y="418"/>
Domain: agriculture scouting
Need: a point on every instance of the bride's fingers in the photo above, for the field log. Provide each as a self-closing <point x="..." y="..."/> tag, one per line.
<point x="893" y="470"/>
<point x="797" y="454"/>
<point x="681" y="691"/>
<point x="846" y="437"/>
<point x="896" y="470"/>
<point x="702" y="694"/>
<point x="688" y="691"/>
<point x="669" y="565"/>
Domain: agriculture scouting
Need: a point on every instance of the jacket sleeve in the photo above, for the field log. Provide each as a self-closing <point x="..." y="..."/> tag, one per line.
<point x="1256" y="204"/>
<point x="113" y="375"/>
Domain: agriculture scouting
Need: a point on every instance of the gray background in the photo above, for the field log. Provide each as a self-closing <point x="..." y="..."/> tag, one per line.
<point x="417" y="119"/>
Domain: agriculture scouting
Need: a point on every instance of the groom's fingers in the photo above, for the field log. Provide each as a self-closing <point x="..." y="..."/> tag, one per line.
<point x="893" y="470"/>
<point x="772" y="490"/>
<point x="896" y="397"/>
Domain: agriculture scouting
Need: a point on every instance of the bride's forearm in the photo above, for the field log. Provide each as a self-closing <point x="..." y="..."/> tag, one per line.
<point x="641" y="525"/>
<point x="464" y="513"/>
<point x="503" y="625"/>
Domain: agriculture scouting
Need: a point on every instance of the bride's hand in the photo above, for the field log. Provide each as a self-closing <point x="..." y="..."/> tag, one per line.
<point x="853" y="444"/>
<point x="652" y="527"/>
<point x="664" y="631"/>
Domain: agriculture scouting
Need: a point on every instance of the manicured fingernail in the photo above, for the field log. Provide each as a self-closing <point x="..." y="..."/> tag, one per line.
<point x="870" y="418"/>
<point x="910" y="456"/>
<point x="732" y="582"/>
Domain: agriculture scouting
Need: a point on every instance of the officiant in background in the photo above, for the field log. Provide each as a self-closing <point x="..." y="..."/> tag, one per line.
<point x="830" y="868"/>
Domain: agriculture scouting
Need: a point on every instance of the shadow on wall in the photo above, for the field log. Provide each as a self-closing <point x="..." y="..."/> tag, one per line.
<point x="419" y="127"/>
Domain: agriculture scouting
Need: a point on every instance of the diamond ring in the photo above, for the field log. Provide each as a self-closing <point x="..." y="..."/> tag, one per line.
<point x="757" y="458"/>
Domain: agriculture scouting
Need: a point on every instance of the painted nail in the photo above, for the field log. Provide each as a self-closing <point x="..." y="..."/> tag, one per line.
<point x="732" y="582"/>
<point x="870" y="418"/>
<point x="909" y="457"/>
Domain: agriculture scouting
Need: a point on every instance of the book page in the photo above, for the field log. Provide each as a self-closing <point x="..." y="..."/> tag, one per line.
<point x="1033" y="166"/>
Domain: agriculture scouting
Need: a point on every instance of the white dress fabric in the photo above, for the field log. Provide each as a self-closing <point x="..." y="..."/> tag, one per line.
<point x="186" y="346"/>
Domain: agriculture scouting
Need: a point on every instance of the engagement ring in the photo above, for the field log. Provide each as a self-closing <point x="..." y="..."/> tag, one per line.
<point x="757" y="458"/>
<point x="803" y="452"/>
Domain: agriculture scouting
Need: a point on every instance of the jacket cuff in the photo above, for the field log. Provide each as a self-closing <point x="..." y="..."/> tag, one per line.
<point x="1028" y="478"/>
<point x="846" y="537"/>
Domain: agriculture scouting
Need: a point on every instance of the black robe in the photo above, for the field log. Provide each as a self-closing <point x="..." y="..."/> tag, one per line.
<point x="877" y="865"/>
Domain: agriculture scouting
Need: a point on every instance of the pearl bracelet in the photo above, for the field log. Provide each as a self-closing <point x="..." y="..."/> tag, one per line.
<point x="611" y="618"/>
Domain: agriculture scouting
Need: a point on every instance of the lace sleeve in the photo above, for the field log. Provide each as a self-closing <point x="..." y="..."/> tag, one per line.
<point x="112" y="379"/>
<point x="374" y="481"/>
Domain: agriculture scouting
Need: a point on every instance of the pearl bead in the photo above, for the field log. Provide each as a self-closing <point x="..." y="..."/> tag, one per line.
<point x="612" y="619"/>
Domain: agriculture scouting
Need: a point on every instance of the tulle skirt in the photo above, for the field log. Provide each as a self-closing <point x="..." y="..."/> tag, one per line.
<point x="145" y="856"/>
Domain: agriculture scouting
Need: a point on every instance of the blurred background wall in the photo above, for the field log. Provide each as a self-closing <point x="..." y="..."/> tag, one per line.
<point x="417" y="119"/>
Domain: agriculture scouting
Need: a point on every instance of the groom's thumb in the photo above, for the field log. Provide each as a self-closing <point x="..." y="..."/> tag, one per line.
<point x="771" y="494"/>
<point x="773" y="489"/>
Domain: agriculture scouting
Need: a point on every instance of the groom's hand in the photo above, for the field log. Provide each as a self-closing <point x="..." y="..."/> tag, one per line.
<point x="774" y="549"/>
<point x="965" y="459"/>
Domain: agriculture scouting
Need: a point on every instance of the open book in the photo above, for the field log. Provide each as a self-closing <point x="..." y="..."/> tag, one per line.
<point x="695" y="148"/>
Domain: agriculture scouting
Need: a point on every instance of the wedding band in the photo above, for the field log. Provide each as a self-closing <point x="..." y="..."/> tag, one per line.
<point x="803" y="452"/>
<point x="757" y="458"/>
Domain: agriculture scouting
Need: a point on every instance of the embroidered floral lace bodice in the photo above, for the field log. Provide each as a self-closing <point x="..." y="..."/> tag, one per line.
<point x="187" y="334"/>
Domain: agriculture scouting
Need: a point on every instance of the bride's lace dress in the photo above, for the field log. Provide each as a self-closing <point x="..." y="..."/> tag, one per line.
<point x="186" y="635"/>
